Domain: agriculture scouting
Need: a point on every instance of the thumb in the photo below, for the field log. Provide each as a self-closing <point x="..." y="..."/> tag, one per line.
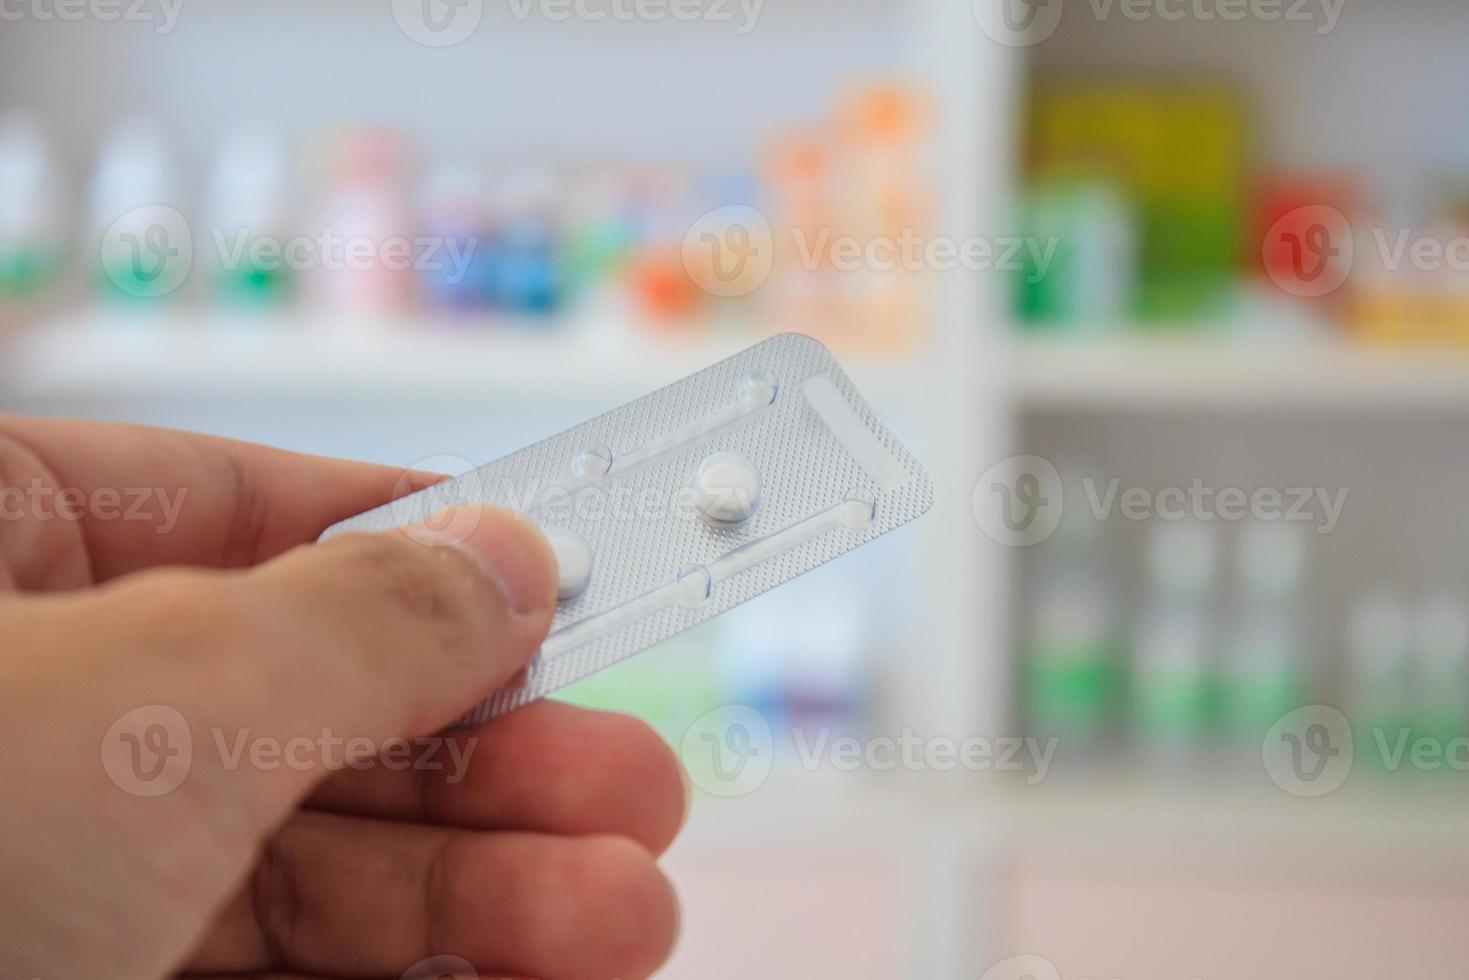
<point x="321" y="657"/>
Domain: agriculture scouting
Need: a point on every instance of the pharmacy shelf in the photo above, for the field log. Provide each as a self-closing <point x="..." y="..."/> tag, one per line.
<point x="602" y="359"/>
<point x="1417" y="820"/>
<point x="1400" y="816"/>
<point x="1150" y="375"/>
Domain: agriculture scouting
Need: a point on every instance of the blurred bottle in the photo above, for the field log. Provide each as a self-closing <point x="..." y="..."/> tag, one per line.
<point x="1072" y="661"/>
<point x="1080" y="255"/>
<point x="1264" y="671"/>
<point x="659" y="281"/>
<point x="143" y="244"/>
<point x="363" y="256"/>
<point x="1440" y="651"/>
<point x="30" y="220"/>
<point x="728" y="251"/>
<point x="454" y="219"/>
<point x="881" y="130"/>
<point x="1381" y="689"/>
<point x="245" y="200"/>
<point x="799" y="658"/>
<point x="602" y="230"/>
<point x="803" y="285"/>
<point x="522" y="266"/>
<point x="1174" y="692"/>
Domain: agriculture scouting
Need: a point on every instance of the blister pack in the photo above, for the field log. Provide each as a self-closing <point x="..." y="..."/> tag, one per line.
<point x="688" y="501"/>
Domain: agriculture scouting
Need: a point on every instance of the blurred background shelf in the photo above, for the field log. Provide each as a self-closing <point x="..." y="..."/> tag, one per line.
<point x="1368" y="821"/>
<point x="476" y="359"/>
<point x="1167" y="374"/>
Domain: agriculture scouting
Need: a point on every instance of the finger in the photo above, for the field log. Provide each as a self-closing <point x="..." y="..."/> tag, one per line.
<point x="351" y="897"/>
<point x="40" y="547"/>
<point x="442" y="975"/>
<point x="140" y="497"/>
<point x="548" y="767"/>
<point x="353" y="642"/>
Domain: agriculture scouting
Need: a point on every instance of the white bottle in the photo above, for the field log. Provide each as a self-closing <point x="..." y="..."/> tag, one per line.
<point x="1263" y="670"/>
<point x="1440" y="651"/>
<point x="139" y="241"/>
<point x="1173" y="654"/>
<point x="30" y="223"/>
<point x="1378" y="638"/>
<point x="246" y="208"/>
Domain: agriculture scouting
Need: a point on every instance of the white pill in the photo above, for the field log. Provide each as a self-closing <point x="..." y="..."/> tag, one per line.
<point x="727" y="487"/>
<point x="573" y="562"/>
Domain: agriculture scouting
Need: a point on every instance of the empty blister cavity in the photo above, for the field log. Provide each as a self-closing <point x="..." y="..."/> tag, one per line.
<point x="757" y="391"/>
<point x="778" y="485"/>
<point x="591" y="464"/>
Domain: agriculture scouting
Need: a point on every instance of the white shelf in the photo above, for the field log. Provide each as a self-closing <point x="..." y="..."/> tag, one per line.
<point x="1141" y="375"/>
<point x="600" y="360"/>
<point x="1391" y="817"/>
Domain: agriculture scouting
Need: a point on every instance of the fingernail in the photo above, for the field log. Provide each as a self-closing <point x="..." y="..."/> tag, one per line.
<point x="510" y="550"/>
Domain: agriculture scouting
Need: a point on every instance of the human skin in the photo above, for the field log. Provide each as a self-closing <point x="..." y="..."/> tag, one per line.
<point x="539" y="862"/>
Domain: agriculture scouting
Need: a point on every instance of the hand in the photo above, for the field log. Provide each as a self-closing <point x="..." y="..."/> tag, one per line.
<point x="197" y="715"/>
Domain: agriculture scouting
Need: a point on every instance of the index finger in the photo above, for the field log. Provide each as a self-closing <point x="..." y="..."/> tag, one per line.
<point x="210" y="501"/>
